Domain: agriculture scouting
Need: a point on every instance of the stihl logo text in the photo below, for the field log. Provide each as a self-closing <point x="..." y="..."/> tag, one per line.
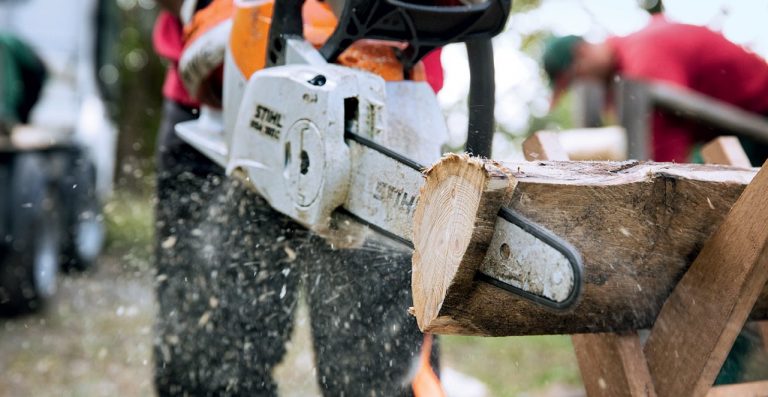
<point x="385" y="192"/>
<point x="267" y="121"/>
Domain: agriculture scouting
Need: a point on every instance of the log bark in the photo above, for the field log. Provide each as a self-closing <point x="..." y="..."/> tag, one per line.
<point x="637" y="226"/>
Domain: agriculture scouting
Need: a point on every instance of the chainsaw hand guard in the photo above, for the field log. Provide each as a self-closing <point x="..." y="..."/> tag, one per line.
<point x="423" y="27"/>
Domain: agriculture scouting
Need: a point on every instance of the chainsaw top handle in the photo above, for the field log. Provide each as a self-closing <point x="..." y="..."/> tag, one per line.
<point x="422" y="27"/>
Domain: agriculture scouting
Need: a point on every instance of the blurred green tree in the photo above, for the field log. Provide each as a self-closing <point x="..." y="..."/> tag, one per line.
<point x="131" y="78"/>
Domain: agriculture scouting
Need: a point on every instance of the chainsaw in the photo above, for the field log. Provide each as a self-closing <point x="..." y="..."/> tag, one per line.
<point x="325" y="144"/>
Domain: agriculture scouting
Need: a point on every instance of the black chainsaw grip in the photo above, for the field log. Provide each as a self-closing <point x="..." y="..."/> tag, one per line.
<point x="482" y="98"/>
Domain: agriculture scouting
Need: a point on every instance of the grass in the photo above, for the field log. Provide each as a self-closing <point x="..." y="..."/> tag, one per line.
<point x="129" y="219"/>
<point x="514" y="365"/>
<point x="93" y="339"/>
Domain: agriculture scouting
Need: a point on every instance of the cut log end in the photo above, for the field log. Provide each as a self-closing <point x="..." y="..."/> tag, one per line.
<point x="453" y="224"/>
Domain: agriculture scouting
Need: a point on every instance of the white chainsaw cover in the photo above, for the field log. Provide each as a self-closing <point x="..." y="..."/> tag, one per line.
<point x="289" y="135"/>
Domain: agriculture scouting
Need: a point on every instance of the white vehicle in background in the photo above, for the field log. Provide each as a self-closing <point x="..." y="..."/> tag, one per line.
<point x="57" y="168"/>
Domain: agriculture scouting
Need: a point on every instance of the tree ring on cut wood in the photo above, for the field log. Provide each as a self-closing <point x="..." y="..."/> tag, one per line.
<point x="453" y="224"/>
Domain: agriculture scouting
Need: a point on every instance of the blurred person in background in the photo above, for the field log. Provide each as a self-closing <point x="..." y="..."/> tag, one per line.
<point x="687" y="56"/>
<point x="22" y="75"/>
<point x="230" y="268"/>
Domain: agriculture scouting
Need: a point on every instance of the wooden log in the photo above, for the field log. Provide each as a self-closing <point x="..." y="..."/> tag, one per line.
<point x="725" y="150"/>
<point x="544" y="145"/>
<point x="611" y="364"/>
<point x="637" y="226"/>
<point x="714" y="298"/>
<point x="590" y="144"/>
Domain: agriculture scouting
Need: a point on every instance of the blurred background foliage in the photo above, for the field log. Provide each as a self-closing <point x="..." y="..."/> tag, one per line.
<point x="132" y="76"/>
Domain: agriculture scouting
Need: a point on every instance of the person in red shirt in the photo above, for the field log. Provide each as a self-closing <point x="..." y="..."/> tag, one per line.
<point x="687" y="56"/>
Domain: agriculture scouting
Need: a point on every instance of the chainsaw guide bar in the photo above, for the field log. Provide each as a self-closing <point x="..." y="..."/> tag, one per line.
<point x="535" y="263"/>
